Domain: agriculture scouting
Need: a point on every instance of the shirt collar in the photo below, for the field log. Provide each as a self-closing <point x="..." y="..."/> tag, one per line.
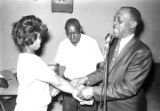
<point x="126" y="39"/>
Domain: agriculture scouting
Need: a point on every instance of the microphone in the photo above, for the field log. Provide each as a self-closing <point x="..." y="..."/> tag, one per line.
<point x="108" y="38"/>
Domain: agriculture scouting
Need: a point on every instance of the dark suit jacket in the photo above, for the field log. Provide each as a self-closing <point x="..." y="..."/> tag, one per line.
<point x="125" y="78"/>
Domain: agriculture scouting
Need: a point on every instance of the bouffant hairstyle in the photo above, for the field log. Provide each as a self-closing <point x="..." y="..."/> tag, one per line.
<point x="26" y="30"/>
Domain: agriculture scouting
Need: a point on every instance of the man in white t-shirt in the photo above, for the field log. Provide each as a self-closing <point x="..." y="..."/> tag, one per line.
<point x="78" y="56"/>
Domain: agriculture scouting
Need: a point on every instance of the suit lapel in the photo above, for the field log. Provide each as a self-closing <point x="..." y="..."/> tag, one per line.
<point x="124" y="51"/>
<point x="111" y="50"/>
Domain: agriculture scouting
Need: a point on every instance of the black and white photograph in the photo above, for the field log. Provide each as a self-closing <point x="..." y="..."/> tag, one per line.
<point x="79" y="55"/>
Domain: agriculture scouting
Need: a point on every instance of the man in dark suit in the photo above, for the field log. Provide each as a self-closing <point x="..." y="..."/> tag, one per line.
<point x="126" y="72"/>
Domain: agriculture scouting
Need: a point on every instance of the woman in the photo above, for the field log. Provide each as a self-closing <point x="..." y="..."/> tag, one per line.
<point x="33" y="74"/>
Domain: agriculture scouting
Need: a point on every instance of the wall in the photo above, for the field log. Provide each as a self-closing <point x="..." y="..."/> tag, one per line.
<point x="96" y="17"/>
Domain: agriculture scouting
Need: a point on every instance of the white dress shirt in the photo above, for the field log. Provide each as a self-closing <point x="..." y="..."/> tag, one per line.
<point x="124" y="41"/>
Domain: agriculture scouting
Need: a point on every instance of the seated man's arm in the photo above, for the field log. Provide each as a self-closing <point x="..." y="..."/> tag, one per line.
<point x="3" y="83"/>
<point x="61" y="70"/>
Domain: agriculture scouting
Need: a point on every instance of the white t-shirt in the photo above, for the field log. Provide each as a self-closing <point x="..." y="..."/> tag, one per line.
<point x="33" y="77"/>
<point x="79" y="60"/>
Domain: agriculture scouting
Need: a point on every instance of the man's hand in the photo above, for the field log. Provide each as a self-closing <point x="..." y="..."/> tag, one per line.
<point x="83" y="102"/>
<point x="54" y="91"/>
<point x="79" y="81"/>
<point x="75" y="95"/>
<point x="86" y="93"/>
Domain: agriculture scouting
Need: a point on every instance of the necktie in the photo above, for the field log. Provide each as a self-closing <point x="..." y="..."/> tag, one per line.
<point x="115" y="53"/>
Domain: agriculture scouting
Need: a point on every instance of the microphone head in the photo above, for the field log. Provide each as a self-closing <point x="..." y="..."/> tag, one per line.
<point x="108" y="38"/>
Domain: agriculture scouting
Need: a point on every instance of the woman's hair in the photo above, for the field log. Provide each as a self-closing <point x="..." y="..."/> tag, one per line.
<point x="26" y="30"/>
